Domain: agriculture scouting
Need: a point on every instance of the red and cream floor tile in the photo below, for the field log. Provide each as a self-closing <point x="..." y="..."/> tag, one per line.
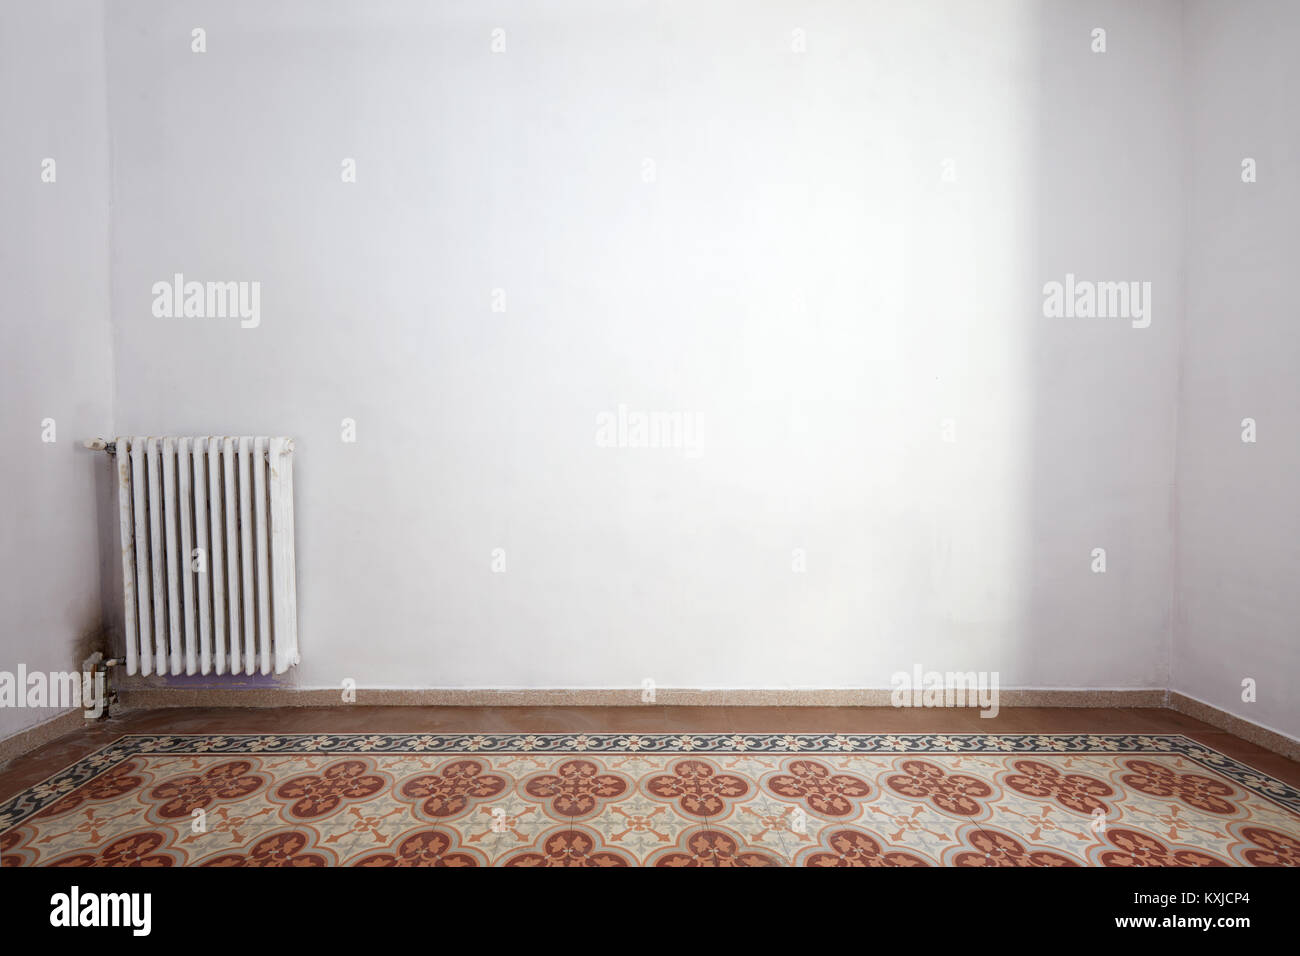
<point x="654" y="799"/>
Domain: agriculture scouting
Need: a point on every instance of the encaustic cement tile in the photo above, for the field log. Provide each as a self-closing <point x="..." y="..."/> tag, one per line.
<point x="673" y="800"/>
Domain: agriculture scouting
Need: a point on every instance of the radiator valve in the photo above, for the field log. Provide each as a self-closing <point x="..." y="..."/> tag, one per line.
<point x="98" y="696"/>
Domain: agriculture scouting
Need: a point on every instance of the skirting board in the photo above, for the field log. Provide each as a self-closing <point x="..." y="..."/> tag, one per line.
<point x="156" y="698"/>
<point x="42" y="733"/>
<point x="1237" y="726"/>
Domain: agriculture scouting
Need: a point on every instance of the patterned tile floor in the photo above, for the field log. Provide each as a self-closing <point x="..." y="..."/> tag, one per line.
<point x="514" y="799"/>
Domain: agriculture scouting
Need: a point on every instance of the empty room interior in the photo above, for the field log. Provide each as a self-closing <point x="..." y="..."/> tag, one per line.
<point x="640" y="433"/>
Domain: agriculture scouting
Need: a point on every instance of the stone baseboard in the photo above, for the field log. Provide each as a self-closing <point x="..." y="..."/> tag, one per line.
<point x="42" y="733"/>
<point x="157" y="698"/>
<point x="1237" y="726"/>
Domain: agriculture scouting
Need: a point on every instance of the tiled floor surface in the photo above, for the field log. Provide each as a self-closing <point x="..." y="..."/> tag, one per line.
<point x="650" y="786"/>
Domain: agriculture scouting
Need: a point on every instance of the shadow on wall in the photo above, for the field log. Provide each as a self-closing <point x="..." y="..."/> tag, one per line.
<point x="1102" y="368"/>
<point x="1043" y="310"/>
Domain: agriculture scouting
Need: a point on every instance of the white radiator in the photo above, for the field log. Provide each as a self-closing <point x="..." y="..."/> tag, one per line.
<point x="207" y="554"/>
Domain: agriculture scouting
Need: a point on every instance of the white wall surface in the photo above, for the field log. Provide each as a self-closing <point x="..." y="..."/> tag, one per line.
<point x="798" y="274"/>
<point x="55" y="340"/>
<point x="1239" y="503"/>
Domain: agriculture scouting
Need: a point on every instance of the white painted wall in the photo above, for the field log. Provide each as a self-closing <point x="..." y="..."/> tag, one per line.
<point x="56" y="345"/>
<point x="798" y="275"/>
<point x="1239" y="503"/>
